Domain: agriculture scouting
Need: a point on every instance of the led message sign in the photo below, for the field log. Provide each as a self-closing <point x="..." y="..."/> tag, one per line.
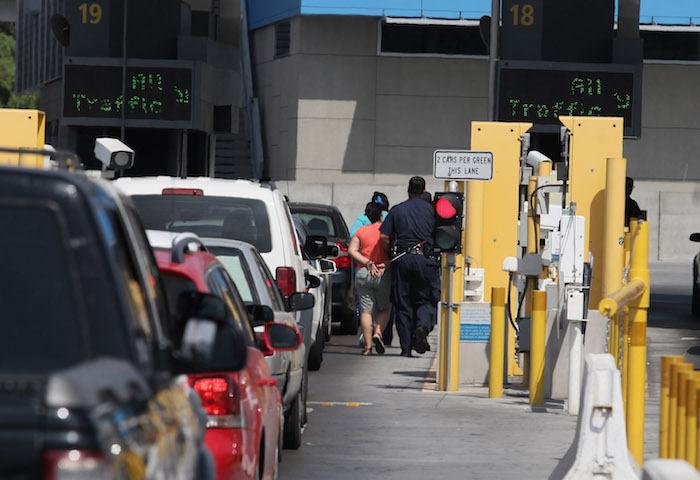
<point x="152" y="93"/>
<point x="540" y="93"/>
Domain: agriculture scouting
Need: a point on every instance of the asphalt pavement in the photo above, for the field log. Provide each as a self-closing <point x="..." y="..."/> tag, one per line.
<point x="380" y="416"/>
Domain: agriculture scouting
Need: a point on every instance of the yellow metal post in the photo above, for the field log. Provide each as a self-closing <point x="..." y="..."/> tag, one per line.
<point x="691" y="423"/>
<point x="639" y="270"/>
<point x="624" y="321"/>
<point x="683" y="378"/>
<point x="592" y="141"/>
<point x="498" y="231"/>
<point x="537" y="345"/>
<point x="666" y="363"/>
<point x="22" y="128"/>
<point x="676" y="369"/>
<point x="496" y="343"/>
<point x="444" y="329"/>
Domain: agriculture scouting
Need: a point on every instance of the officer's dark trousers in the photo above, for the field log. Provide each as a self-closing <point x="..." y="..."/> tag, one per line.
<point x="413" y="297"/>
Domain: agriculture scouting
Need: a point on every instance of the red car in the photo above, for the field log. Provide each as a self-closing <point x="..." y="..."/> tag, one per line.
<point x="244" y="407"/>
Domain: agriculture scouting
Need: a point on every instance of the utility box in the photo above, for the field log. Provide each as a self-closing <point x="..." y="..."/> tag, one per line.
<point x="22" y="128"/>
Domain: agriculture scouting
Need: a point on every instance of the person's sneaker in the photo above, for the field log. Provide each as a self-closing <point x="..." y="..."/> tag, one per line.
<point x="378" y="344"/>
<point x="362" y="341"/>
<point x="420" y="339"/>
<point x="406" y="354"/>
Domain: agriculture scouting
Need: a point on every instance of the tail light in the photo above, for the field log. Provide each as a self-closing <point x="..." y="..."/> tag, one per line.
<point x="343" y="260"/>
<point x="75" y="465"/>
<point x="286" y="280"/>
<point x="261" y="340"/>
<point x="222" y="402"/>
<point x="183" y="191"/>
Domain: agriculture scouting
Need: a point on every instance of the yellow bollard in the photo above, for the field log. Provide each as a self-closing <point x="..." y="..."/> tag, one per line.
<point x="639" y="270"/>
<point x="691" y="412"/>
<point x="697" y="434"/>
<point x="496" y="344"/>
<point x="444" y="330"/>
<point x="613" y="231"/>
<point x="683" y="378"/>
<point x="676" y="369"/>
<point x="666" y="363"/>
<point x="624" y="318"/>
<point x="537" y="343"/>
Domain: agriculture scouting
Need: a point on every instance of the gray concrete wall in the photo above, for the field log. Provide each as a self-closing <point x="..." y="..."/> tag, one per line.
<point x="341" y="119"/>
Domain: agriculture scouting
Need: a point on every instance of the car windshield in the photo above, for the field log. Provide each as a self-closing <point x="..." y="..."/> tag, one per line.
<point x="242" y="219"/>
<point x="318" y="223"/>
<point x="237" y="268"/>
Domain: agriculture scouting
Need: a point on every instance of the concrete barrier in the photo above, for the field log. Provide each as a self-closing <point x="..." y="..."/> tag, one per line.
<point x="669" y="470"/>
<point x="599" y="449"/>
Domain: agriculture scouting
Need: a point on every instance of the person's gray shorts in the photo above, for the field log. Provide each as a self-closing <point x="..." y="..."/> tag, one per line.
<point x="374" y="292"/>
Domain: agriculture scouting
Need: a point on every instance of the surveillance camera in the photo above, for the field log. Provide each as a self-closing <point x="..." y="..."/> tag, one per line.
<point x="534" y="158"/>
<point x="113" y="153"/>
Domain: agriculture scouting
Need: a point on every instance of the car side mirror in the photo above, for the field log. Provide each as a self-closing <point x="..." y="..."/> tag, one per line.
<point x="281" y="337"/>
<point x="695" y="237"/>
<point x="300" y="301"/>
<point x="209" y="341"/>
<point x="312" y="281"/>
<point x="260" y="314"/>
<point x="332" y="251"/>
<point x="327" y="266"/>
<point x="316" y="246"/>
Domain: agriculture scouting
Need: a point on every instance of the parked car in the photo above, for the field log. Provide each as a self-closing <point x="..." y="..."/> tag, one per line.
<point x="322" y="269"/>
<point x="695" y="305"/>
<point x="327" y="220"/>
<point x="90" y="354"/>
<point x="256" y="213"/>
<point x="257" y="287"/>
<point x="244" y="409"/>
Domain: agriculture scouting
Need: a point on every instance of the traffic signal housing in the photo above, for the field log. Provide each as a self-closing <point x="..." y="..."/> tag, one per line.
<point x="448" y="221"/>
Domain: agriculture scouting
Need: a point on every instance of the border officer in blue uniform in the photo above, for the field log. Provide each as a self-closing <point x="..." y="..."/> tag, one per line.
<point x="410" y="224"/>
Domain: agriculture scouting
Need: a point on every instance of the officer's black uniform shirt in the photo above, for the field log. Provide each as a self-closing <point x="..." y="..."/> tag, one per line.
<point x="412" y="221"/>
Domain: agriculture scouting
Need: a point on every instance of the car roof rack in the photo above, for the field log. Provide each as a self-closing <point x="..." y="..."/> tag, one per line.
<point x="181" y="244"/>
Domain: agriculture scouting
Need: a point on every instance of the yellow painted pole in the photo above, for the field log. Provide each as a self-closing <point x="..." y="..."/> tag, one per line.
<point x="639" y="269"/>
<point x="666" y="363"/>
<point x="537" y="345"/>
<point x="457" y="298"/>
<point x="531" y="247"/>
<point x="691" y="423"/>
<point x="496" y="344"/>
<point x="544" y="169"/>
<point x="624" y="320"/>
<point x="683" y="378"/>
<point x="676" y="369"/>
<point x="697" y="432"/>
<point x="444" y="329"/>
<point x="613" y="231"/>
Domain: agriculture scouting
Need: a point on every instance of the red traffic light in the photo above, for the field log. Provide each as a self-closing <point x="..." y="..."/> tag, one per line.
<point x="445" y="208"/>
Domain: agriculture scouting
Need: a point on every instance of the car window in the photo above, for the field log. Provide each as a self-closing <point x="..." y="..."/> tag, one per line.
<point x="270" y="284"/>
<point x="237" y="268"/>
<point x="41" y="328"/>
<point x="243" y="219"/>
<point x="319" y="224"/>
<point x="221" y="284"/>
<point x="134" y="291"/>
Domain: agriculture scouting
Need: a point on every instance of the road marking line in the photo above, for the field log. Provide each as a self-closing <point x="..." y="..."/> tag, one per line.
<point x="690" y="338"/>
<point x="341" y="404"/>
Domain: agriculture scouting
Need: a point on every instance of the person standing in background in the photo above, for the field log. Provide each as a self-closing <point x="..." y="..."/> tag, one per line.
<point x="372" y="279"/>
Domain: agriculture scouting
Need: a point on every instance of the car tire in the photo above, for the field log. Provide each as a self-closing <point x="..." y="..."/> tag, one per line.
<point x="293" y="422"/>
<point x="695" y="305"/>
<point x="316" y="353"/>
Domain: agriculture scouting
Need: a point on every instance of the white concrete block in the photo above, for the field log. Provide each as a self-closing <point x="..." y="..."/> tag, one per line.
<point x="599" y="449"/>
<point x="667" y="469"/>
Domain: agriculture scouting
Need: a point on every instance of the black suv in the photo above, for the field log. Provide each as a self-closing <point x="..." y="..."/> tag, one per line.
<point x="89" y="353"/>
<point x="326" y="220"/>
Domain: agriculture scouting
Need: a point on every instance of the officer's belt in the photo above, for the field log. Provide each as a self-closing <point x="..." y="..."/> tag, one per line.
<point x="414" y="250"/>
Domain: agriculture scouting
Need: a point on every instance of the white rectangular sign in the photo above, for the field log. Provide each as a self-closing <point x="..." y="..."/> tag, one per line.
<point x="462" y="165"/>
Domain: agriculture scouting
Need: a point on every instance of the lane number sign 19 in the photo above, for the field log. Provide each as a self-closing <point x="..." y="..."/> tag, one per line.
<point x="462" y="165"/>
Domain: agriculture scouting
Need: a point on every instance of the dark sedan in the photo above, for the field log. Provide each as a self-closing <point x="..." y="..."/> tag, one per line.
<point x="327" y="220"/>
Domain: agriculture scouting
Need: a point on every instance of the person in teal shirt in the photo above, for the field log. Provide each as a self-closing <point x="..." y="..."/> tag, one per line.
<point x="380" y="199"/>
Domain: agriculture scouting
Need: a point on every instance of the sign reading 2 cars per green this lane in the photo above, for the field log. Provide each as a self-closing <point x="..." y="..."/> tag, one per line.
<point x="152" y="93"/>
<point x="462" y="165"/>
